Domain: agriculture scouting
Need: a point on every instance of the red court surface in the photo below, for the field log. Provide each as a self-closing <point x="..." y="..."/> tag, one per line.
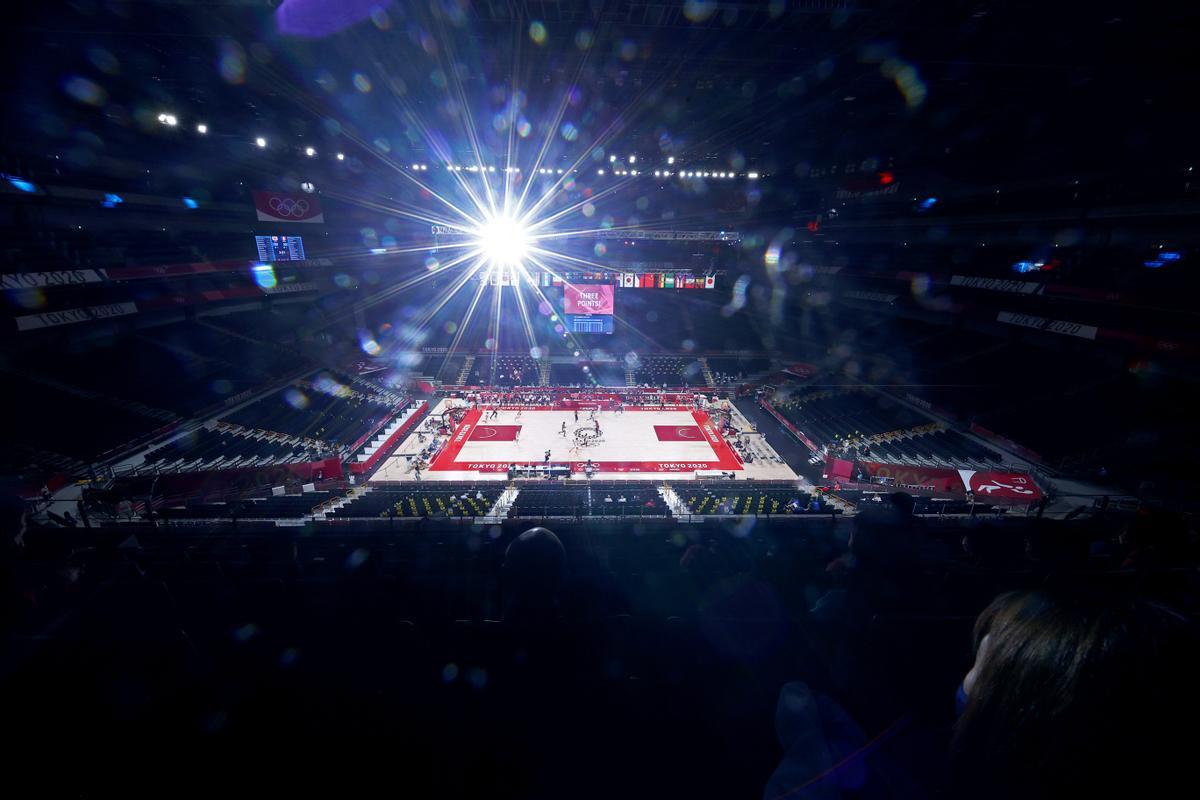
<point x="495" y="433"/>
<point x="678" y="433"/>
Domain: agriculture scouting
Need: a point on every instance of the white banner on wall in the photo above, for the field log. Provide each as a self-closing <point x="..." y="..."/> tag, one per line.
<point x="1051" y="325"/>
<point x="38" y="280"/>
<point x="70" y="316"/>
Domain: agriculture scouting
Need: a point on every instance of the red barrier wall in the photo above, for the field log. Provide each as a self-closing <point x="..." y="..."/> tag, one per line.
<point x="792" y="428"/>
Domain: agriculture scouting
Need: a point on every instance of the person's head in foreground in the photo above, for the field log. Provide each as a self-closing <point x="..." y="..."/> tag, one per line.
<point x="534" y="564"/>
<point x="1077" y="695"/>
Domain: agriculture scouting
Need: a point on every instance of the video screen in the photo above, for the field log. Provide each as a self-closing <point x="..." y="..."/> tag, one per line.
<point x="588" y="298"/>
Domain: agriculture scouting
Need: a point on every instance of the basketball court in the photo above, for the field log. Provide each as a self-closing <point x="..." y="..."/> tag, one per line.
<point x="636" y="442"/>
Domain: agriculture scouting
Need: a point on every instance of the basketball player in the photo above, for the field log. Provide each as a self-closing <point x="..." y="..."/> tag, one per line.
<point x="564" y="429"/>
<point x="577" y="415"/>
<point x="547" y="456"/>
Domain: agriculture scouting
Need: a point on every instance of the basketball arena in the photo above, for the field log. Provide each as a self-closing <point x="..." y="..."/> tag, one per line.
<point x="546" y="399"/>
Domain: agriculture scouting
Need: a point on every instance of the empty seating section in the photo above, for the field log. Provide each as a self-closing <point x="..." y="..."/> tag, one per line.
<point x="668" y="371"/>
<point x="606" y="373"/>
<point x="163" y="368"/>
<point x="284" y="506"/>
<point x="590" y="374"/>
<point x="825" y="417"/>
<point x="212" y="449"/>
<point x="516" y="371"/>
<point x="734" y="370"/>
<point x="446" y="370"/>
<point x="81" y="427"/>
<point x="435" y="500"/>
<point x="324" y="409"/>
<point x="568" y="375"/>
<point x="740" y="498"/>
<point x="938" y="447"/>
<point x="593" y="499"/>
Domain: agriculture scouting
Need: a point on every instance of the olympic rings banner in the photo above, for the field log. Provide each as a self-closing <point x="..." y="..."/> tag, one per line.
<point x="288" y="207"/>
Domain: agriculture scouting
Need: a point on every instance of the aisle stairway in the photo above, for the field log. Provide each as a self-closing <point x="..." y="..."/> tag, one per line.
<point x="380" y="438"/>
<point x="334" y="505"/>
<point x="499" y="512"/>
<point x="674" y="502"/>
<point x="465" y="372"/>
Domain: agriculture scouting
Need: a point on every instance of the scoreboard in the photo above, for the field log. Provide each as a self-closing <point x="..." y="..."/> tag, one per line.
<point x="279" y="248"/>
<point x="589" y="323"/>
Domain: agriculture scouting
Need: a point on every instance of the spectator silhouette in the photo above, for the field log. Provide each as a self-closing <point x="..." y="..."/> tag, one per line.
<point x="534" y="565"/>
<point x="881" y="553"/>
<point x="1076" y="694"/>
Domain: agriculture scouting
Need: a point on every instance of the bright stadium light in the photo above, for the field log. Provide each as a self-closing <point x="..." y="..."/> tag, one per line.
<point x="260" y="141"/>
<point x="670" y="159"/>
<point x="503" y="240"/>
<point x="599" y="172"/>
<point x="612" y="159"/>
<point x="752" y="175"/>
<point x="168" y="119"/>
<point x="633" y="159"/>
<point x="201" y="128"/>
<point x="341" y="156"/>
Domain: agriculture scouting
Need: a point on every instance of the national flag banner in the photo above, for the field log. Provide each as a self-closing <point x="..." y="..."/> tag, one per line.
<point x="555" y="280"/>
<point x="710" y="281"/>
<point x="287" y="207"/>
<point x="662" y="280"/>
<point x="647" y="280"/>
<point x="627" y="280"/>
<point x="697" y="282"/>
<point x="670" y="281"/>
